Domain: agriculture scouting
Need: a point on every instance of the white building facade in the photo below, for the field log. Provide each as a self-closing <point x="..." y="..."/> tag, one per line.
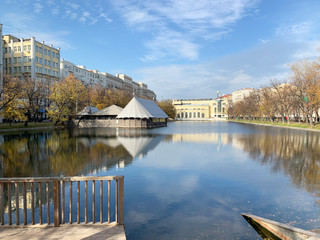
<point x="91" y="77"/>
<point x="240" y="94"/>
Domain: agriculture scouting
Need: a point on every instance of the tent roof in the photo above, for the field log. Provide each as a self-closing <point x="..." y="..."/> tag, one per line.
<point x="142" y="108"/>
<point x="88" y="110"/>
<point x="113" y="110"/>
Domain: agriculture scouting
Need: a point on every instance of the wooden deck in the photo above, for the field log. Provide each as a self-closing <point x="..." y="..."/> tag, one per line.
<point x="73" y="232"/>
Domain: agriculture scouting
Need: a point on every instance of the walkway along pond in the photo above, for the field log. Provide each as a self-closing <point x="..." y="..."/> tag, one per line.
<point x="191" y="180"/>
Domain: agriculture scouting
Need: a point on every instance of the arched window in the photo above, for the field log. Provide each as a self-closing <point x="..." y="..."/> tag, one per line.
<point x="190" y="115"/>
<point x="215" y="110"/>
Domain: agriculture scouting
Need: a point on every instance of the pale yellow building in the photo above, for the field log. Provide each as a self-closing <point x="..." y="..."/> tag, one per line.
<point x="28" y="58"/>
<point x="202" y="109"/>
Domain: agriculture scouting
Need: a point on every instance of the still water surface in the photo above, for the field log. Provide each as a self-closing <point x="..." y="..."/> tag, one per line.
<point x="190" y="180"/>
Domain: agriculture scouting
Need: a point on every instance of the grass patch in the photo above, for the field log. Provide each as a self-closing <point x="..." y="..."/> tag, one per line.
<point x="292" y="124"/>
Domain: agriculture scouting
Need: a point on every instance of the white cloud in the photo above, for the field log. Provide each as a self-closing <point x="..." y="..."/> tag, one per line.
<point x="23" y="25"/>
<point x="172" y="44"/>
<point x="250" y="68"/>
<point x="185" y="21"/>
<point x="37" y="7"/>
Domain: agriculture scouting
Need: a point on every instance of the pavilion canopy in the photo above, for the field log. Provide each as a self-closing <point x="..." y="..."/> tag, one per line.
<point x="142" y="108"/>
<point x="113" y="110"/>
<point x="88" y="111"/>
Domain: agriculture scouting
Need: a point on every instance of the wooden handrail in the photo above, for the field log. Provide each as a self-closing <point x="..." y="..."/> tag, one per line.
<point x="40" y="194"/>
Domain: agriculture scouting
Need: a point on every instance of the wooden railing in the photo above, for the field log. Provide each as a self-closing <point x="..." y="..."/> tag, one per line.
<point x="45" y="191"/>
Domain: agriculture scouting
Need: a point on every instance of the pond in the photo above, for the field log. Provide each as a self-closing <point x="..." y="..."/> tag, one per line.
<point x="191" y="180"/>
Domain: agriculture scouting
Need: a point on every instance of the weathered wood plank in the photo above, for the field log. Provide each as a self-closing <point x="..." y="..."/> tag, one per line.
<point x="78" y="202"/>
<point x="93" y="201"/>
<point x="25" y="203"/>
<point x="17" y="203"/>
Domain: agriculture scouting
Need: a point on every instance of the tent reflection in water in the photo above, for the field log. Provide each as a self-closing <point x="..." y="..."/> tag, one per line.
<point x="142" y="113"/>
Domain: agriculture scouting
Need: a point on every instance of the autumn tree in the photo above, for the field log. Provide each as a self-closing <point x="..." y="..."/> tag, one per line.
<point x="97" y="96"/>
<point x="306" y="79"/>
<point x="15" y="110"/>
<point x="34" y="95"/>
<point x="66" y="97"/>
<point x="167" y="106"/>
<point x="10" y="90"/>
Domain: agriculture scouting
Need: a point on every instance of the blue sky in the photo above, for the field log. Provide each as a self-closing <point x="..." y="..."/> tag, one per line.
<point x="179" y="48"/>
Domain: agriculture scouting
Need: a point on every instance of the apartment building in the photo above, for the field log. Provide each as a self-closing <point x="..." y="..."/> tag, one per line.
<point x="1" y="54"/>
<point x="119" y="81"/>
<point x="240" y="94"/>
<point x="28" y="58"/>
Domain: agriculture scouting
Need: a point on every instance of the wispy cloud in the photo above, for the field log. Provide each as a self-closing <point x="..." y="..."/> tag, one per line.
<point x="37" y="7"/>
<point x="250" y="68"/>
<point x="23" y="25"/>
<point x="185" y="21"/>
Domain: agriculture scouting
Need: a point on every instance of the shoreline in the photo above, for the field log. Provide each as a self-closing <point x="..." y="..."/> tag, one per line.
<point x="279" y="126"/>
<point x="29" y="129"/>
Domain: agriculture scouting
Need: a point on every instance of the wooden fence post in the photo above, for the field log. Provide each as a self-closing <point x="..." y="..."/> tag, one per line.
<point x="56" y="200"/>
<point x="121" y="201"/>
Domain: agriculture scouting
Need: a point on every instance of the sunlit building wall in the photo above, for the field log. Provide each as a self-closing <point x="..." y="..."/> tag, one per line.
<point x="28" y="58"/>
<point x="119" y="81"/>
<point x="240" y="94"/>
<point x="202" y="109"/>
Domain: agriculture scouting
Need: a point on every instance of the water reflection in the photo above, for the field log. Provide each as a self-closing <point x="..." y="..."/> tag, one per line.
<point x="69" y="153"/>
<point x="231" y="167"/>
<point x="84" y="151"/>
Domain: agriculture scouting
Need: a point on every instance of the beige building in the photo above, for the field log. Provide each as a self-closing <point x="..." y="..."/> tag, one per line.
<point x="202" y="109"/>
<point x="240" y="94"/>
<point x="28" y="58"/>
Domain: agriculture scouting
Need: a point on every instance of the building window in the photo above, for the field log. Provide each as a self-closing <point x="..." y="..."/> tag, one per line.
<point x="202" y="115"/>
<point x="37" y="49"/>
<point x="29" y="58"/>
<point x="57" y="56"/>
<point x="40" y="49"/>
<point x="45" y="51"/>
<point x="45" y="71"/>
<point x="45" y="61"/>
<point x="29" y="47"/>
<point x="5" y="50"/>
<point x="25" y="59"/>
<point x="14" y="49"/>
<point x="25" y="68"/>
<point x="194" y="114"/>
<point x="14" y="69"/>
<point x="198" y="114"/>
<point x="52" y="55"/>
<point x="25" y="48"/>
<point x="19" y="59"/>
<point x="19" y="48"/>
<point x="49" y="71"/>
<point x="37" y="59"/>
<point x="53" y="65"/>
<point x="9" y="60"/>
<point x="40" y="60"/>
<point x="29" y="68"/>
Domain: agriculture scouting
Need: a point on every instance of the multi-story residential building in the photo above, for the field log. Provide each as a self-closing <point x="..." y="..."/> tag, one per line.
<point x="28" y="58"/>
<point x="202" y="109"/>
<point x="1" y="54"/>
<point x="119" y="81"/>
<point x="240" y="94"/>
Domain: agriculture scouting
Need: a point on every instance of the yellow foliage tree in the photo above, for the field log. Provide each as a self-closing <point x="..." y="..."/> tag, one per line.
<point x="15" y="110"/>
<point x="66" y="96"/>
